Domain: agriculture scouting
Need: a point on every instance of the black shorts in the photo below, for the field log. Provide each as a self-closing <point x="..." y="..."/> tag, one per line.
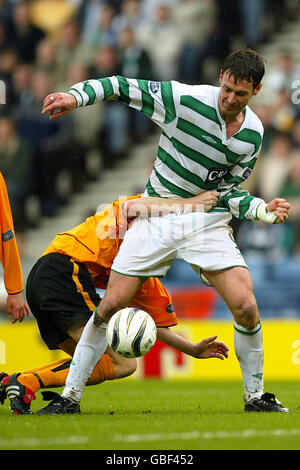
<point x="60" y="292"/>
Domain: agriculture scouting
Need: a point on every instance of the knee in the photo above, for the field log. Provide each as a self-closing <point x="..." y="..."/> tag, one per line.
<point x="246" y="313"/>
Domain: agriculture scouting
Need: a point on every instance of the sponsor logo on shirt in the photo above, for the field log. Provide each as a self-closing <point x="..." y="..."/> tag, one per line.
<point x="8" y="235"/>
<point x="215" y="174"/>
<point x="209" y="139"/>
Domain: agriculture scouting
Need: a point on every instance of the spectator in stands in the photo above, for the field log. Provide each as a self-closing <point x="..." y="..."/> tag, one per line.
<point x="51" y="15"/>
<point x="274" y="166"/>
<point x="25" y="36"/>
<point x="8" y="62"/>
<point x="105" y="34"/>
<point x="149" y="9"/>
<point x="195" y="20"/>
<point x="163" y="42"/>
<point x="87" y="137"/>
<point x="22" y="93"/>
<point x="46" y="59"/>
<point x="16" y="166"/>
<point x="135" y="62"/>
<point x="296" y="134"/>
<point x="264" y="112"/>
<point x="53" y="144"/>
<point x="290" y="188"/>
<point x="114" y="145"/>
<point x="129" y="17"/>
<point x="280" y="76"/>
<point x="284" y="112"/>
<point x="71" y="48"/>
<point x="88" y="17"/>
<point x="252" y="15"/>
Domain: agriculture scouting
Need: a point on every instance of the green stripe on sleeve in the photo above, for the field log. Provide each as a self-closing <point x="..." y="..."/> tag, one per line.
<point x="107" y="88"/>
<point x="167" y="97"/>
<point x="147" y="100"/>
<point x="123" y="90"/>
<point x="244" y="206"/>
<point x="89" y="90"/>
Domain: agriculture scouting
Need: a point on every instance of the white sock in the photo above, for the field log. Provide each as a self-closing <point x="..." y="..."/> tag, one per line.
<point x="249" y="351"/>
<point x="89" y="349"/>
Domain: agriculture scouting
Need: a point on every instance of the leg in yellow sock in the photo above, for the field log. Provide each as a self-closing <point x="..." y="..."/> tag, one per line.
<point x="111" y="366"/>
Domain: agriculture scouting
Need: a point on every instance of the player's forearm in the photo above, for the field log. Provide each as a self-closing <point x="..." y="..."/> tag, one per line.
<point x="154" y="206"/>
<point x="157" y="206"/>
<point x="176" y="341"/>
<point x="240" y="203"/>
<point x="93" y="91"/>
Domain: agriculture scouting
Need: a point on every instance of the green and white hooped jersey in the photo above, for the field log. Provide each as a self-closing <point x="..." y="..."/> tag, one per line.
<point x="194" y="154"/>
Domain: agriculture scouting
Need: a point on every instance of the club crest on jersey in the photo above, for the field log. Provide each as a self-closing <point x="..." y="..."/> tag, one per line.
<point x="154" y="86"/>
<point x="170" y="308"/>
<point x="215" y="174"/>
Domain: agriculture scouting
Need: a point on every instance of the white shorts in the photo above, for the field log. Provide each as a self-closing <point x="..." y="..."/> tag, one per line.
<point x="204" y="240"/>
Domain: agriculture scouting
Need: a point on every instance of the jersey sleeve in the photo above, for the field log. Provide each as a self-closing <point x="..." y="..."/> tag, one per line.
<point x="154" y="99"/>
<point x="9" y="255"/>
<point x="232" y="196"/>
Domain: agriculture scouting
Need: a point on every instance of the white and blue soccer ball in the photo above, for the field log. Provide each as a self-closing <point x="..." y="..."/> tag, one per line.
<point x="131" y="332"/>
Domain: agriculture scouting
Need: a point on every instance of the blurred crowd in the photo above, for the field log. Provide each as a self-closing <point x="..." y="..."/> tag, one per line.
<point x="48" y="45"/>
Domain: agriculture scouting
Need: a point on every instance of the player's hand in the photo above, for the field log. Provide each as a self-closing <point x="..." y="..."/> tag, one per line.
<point x="16" y="307"/>
<point x="281" y="208"/>
<point x="58" y="104"/>
<point x="208" y="199"/>
<point x="209" y="348"/>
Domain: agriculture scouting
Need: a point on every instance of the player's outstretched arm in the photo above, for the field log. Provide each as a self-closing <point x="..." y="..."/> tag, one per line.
<point x="155" y="206"/>
<point x="58" y="104"/>
<point x="206" y="349"/>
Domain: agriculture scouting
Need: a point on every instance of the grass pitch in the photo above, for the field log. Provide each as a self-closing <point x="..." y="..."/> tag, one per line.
<point x="159" y="415"/>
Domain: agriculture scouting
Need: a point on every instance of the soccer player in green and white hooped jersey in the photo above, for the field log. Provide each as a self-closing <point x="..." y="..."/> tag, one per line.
<point x="210" y="141"/>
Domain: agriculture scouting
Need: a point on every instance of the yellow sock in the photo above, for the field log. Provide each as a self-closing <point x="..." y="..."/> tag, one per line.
<point x="49" y="375"/>
<point x="55" y="374"/>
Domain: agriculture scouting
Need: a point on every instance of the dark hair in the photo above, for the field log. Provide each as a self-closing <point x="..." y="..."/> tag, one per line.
<point x="245" y="64"/>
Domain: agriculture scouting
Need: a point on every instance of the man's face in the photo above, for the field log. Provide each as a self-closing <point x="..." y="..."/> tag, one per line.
<point x="233" y="96"/>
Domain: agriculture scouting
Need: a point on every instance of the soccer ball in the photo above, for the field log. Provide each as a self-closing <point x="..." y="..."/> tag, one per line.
<point x="131" y="332"/>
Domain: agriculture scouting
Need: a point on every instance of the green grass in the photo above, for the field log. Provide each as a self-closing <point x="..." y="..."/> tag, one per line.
<point x="159" y="415"/>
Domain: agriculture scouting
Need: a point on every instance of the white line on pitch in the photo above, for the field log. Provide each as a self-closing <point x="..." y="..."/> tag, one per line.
<point x="207" y="435"/>
<point x="34" y="442"/>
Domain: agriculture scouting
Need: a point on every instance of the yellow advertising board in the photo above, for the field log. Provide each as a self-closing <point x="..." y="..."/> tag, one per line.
<point x="21" y="348"/>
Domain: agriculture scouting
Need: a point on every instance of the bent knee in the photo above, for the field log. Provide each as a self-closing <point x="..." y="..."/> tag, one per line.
<point x="246" y="313"/>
